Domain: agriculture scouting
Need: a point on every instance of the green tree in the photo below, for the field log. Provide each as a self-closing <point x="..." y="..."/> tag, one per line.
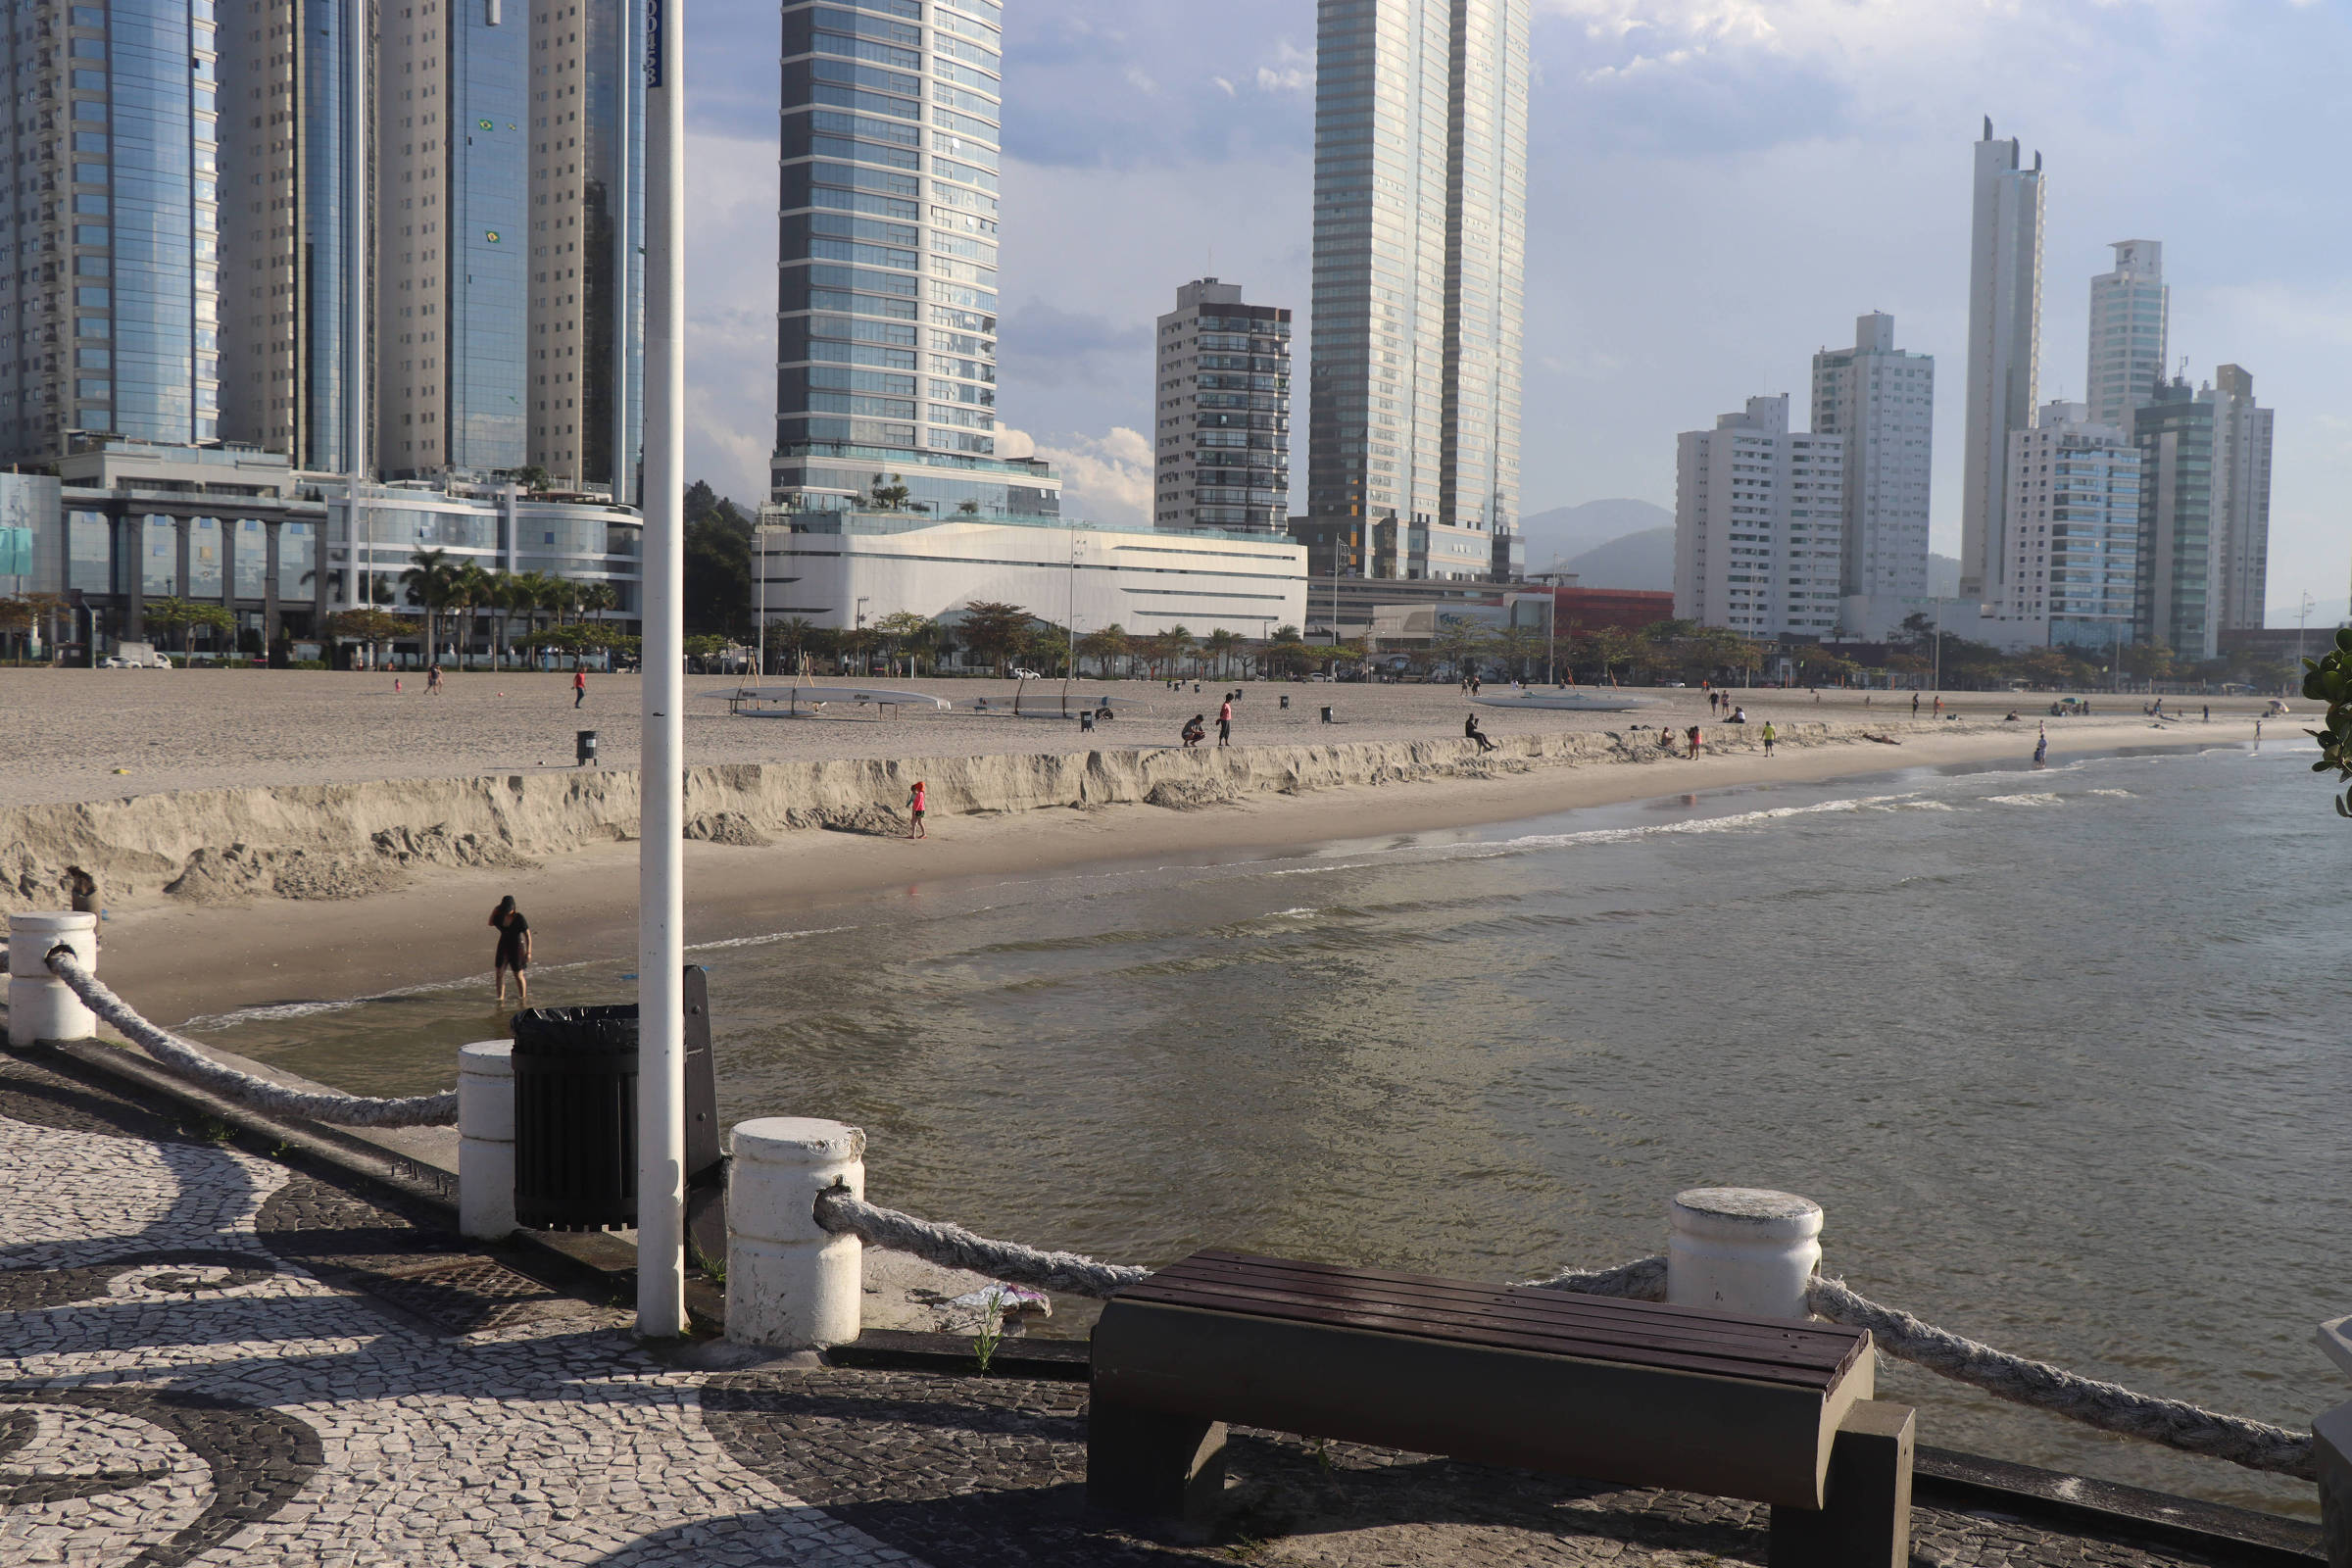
<point x="431" y="581"/>
<point x="718" y="564"/>
<point x="531" y="476"/>
<point x="1179" y="644"/>
<point x="902" y="630"/>
<point x="1458" y="640"/>
<point x="994" y="630"/>
<point x="17" y="619"/>
<point x="891" y="496"/>
<point x="1220" y="645"/>
<point x="1105" y="646"/>
<point x="378" y="629"/>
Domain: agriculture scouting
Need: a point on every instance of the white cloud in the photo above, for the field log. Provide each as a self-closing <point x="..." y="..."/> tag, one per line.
<point x="1104" y="480"/>
<point x="730" y="313"/>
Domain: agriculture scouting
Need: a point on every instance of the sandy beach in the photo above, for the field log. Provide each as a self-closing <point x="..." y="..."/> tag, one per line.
<point x="208" y="729"/>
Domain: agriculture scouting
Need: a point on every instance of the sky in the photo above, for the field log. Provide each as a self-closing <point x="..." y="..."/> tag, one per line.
<point x="1716" y="189"/>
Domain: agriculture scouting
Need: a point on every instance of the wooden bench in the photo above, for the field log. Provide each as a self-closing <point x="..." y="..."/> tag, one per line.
<point x="1625" y="1392"/>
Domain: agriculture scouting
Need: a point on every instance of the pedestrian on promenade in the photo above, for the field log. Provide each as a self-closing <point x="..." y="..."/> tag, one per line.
<point x="580" y="684"/>
<point x="1769" y="737"/>
<point x="1471" y="731"/>
<point x="1225" y="722"/>
<point x="432" y="681"/>
<point x="917" y="799"/>
<point x="1693" y="735"/>
<point x="513" y="953"/>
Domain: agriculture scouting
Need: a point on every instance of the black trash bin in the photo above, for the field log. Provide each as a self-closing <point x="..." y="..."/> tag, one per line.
<point x="575" y="1118"/>
<point x="583" y="749"/>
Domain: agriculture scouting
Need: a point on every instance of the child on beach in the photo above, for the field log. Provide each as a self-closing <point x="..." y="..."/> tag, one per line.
<point x="580" y="684"/>
<point x="1225" y="722"/>
<point x="1768" y="737"/>
<point x="432" y="681"/>
<point x="513" y="951"/>
<point x="916" y="799"/>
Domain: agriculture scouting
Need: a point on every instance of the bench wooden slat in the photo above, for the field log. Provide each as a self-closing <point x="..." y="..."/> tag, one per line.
<point x="1795" y="1345"/>
<point x="1574" y="1335"/>
<point x="1420" y="1327"/>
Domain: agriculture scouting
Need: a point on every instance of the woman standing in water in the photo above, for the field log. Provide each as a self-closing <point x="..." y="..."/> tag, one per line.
<point x="514" y="950"/>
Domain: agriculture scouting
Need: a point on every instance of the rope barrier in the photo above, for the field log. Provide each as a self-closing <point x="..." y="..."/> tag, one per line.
<point x="954" y="1246"/>
<point x="184" y="1058"/>
<point x="2109" y="1406"/>
<point x="1642" y="1280"/>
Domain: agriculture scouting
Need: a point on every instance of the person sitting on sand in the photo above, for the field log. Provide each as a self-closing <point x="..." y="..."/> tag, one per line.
<point x="1471" y="731"/>
<point x="1739" y="716"/>
<point x="1195" y="729"/>
<point x="514" y="950"/>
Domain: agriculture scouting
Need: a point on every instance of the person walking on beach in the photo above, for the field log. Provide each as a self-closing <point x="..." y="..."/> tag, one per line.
<point x="1693" y="736"/>
<point x="917" y="799"/>
<point x="1225" y="722"/>
<point x="1939" y="704"/>
<point x="1471" y="731"/>
<point x="1915" y="704"/>
<point x="432" y="681"/>
<point x="513" y="954"/>
<point x="1769" y="737"/>
<point x="580" y="684"/>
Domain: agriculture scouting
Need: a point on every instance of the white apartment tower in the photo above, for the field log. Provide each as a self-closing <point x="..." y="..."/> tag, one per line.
<point x="1419" y="284"/>
<point x="1221" y="416"/>
<point x="2241" y="498"/>
<point x="1758" y="524"/>
<point x="1882" y="399"/>
<point x="2131" y="312"/>
<point x="2073" y="526"/>
<point x="2004" y="350"/>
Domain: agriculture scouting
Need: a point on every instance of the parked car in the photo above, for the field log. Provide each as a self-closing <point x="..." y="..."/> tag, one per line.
<point x="1027" y="675"/>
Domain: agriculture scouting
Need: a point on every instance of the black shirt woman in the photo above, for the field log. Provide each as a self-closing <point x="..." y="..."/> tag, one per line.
<point x="514" y="950"/>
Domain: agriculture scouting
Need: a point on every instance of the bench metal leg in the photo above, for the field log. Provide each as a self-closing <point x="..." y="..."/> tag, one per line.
<point x="1143" y="1461"/>
<point x="1865" y="1521"/>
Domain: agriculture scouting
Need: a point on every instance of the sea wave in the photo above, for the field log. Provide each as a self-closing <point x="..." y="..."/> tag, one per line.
<point x="2022" y="800"/>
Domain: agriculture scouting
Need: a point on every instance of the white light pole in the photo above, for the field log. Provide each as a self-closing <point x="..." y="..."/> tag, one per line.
<point x="1070" y="672"/>
<point x="660" y="891"/>
<point x="2302" y="625"/>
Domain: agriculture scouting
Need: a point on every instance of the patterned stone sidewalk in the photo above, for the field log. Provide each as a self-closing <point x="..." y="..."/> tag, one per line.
<point x="213" y="1358"/>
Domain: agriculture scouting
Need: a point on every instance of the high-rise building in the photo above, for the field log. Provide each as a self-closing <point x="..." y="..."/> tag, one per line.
<point x="287" y="229"/>
<point x="1419" y="274"/>
<point x="2131" y="311"/>
<point x="587" y="238"/>
<point x="455" y="103"/>
<point x="1222" y="411"/>
<point x="1758" y="523"/>
<point x="2241" y="498"/>
<point x="2004" y="350"/>
<point x="110" y="306"/>
<point x="1882" y="399"/>
<point x="2180" y="548"/>
<point x="887" y="310"/>
<point x="2073" y="527"/>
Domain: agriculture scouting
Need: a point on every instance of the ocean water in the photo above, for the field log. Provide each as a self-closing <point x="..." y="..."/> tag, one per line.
<point x="2058" y="1051"/>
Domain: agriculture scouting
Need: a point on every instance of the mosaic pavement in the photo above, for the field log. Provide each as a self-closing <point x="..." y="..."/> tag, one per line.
<point x="207" y="1357"/>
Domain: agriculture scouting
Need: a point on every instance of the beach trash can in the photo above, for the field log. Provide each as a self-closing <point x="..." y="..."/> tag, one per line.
<point x="584" y="748"/>
<point x="1285" y="699"/>
<point x="575" y="1118"/>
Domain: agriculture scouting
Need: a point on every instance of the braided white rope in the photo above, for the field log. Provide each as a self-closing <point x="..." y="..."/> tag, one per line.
<point x="954" y="1246"/>
<point x="185" y="1060"/>
<point x="1642" y="1280"/>
<point x="2174" y="1423"/>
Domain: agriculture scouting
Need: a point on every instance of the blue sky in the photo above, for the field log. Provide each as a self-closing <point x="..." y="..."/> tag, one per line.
<point x="1717" y="190"/>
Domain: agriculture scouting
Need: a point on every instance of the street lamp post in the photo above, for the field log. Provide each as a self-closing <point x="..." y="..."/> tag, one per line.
<point x="661" y="877"/>
<point x="1069" y="670"/>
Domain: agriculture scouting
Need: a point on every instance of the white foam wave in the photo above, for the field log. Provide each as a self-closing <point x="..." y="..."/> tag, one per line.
<point x="2020" y="800"/>
<point x="766" y="938"/>
<point x="2121" y="795"/>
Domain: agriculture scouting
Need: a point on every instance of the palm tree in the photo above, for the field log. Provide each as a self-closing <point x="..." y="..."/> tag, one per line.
<point x="1220" y="645"/>
<point x="1180" y="646"/>
<point x="475" y="589"/>
<point x="431" y="583"/>
<point x="513" y="593"/>
<point x="598" y="597"/>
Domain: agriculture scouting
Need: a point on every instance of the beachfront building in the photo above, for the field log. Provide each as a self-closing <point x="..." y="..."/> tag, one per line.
<point x="287" y="229"/>
<point x="1221" y="411"/>
<point x="2073" y="527"/>
<point x="1419" y="278"/>
<point x="110" y="304"/>
<point x="2241" y="498"/>
<point x="1759" y="525"/>
<point x="1882" y="399"/>
<point x="584" y="539"/>
<point x="2131" y="312"/>
<point x="848" y="568"/>
<point x="887" y="306"/>
<point x="2004" y="350"/>
<point x="2180" y="546"/>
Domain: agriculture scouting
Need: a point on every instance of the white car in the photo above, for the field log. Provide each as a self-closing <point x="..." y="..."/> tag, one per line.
<point x="1027" y="675"/>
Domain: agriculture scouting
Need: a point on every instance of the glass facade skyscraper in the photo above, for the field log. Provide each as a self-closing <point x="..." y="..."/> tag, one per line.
<point x="2131" y="311"/>
<point x="285" y="244"/>
<point x="2004" y="352"/>
<point x="886" y="304"/>
<point x="109" y="247"/>
<point x="1419" y="280"/>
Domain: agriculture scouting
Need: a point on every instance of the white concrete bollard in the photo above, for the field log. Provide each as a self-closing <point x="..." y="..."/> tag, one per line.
<point x="1744" y="1249"/>
<point x="790" y="1284"/>
<point x="39" y="1007"/>
<point x="2331" y="1434"/>
<point x="486" y="1139"/>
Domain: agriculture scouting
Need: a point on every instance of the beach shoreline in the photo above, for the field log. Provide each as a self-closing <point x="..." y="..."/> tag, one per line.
<point x="177" y="961"/>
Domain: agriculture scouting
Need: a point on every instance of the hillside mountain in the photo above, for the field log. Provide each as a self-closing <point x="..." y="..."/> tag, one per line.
<point x="1643" y="560"/>
<point x="1572" y="530"/>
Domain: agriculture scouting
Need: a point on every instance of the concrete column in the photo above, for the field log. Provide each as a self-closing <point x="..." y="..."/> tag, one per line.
<point x="39" y="1007"/>
<point x="1742" y="1250"/>
<point x="269" y="527"/>
<point x="790" y="1283"/>
<point x="181" y="579"/>
<point x="131" y="566"/>
<point x="486" y="1139"/>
